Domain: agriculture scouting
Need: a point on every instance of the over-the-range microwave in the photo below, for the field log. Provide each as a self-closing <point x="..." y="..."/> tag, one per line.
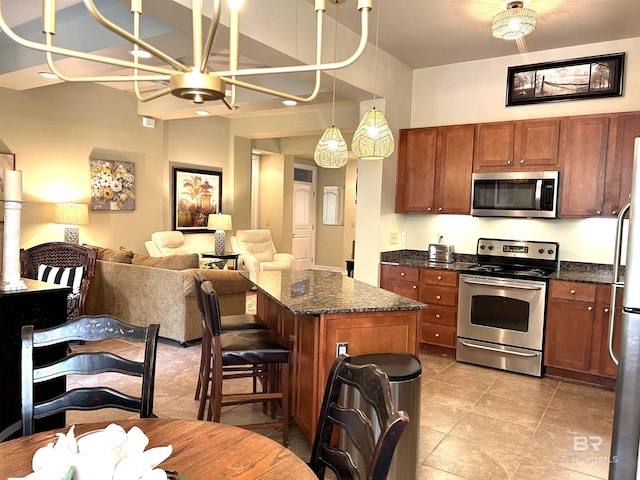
<point x="515" y="194"/>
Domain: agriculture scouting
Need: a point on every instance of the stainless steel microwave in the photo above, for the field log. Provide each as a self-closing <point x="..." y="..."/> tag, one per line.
<point x="517" y="194"/>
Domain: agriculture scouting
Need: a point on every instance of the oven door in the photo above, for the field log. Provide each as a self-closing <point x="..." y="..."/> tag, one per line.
<point x="502" y="311"/>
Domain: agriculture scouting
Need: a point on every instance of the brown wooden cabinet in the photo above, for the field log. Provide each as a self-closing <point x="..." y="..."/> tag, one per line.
<point x="623" y="130"/>
<point x="434" y="169"/>
<point x="516" y="146"/>
<point x="438" y="289"/>
<point x="576" y="334"/>
<point x="583" y="156"/>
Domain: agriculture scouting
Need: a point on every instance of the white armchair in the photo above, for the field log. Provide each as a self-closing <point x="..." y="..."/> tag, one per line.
<point x="172" y="243"/>
<point x="257" y="251"/>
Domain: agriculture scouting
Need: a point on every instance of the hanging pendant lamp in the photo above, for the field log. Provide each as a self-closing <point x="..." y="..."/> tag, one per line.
<point x="373" y="139"/>
<point x="331" y="150"/>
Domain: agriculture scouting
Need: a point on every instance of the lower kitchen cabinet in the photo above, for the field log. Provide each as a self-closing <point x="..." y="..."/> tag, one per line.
<point x="438" y="289"/>
<point x="576" y="335"/>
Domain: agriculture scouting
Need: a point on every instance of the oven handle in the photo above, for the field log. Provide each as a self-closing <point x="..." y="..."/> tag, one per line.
<point x="488" y="284"/>
<point x="510" y="352"/>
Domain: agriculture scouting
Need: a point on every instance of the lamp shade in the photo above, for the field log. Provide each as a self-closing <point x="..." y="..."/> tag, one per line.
<point x="71" y="214"/>
<point x="331" y="150"/>
<point x="219" y="221"/>
<point x="515" y="22"/>
<point x="373" y="139"/>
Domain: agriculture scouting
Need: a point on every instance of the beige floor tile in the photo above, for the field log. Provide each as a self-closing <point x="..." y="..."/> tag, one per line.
<point x="494" y="434"/>
<point x="524" y="388"/>
<point x="582" y="420"/>
<point x="532" y="469"/>
<point x="439" y="416"/>
<point x="455" y="396"/>
<point x="471" y="460"/>
<point x="429" y="440"/>
<point x="426" y="472"/>
<point x="471" y="376"/>
<point x="521" y="412"/>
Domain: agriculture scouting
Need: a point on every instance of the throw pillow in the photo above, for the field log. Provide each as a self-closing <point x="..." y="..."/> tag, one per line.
<point x="118" y="256"/>
<point x="170" y="262"/>
<point x="69" y="276"/>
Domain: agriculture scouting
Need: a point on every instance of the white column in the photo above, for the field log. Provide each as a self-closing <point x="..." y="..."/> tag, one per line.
<point x="12" y="187"/>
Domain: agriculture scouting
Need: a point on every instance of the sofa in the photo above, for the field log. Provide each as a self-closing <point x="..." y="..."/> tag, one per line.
<point x="141" y="290"/>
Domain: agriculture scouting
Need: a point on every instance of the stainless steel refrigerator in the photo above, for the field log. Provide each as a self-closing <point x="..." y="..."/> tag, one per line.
<point x="626" y="423"/>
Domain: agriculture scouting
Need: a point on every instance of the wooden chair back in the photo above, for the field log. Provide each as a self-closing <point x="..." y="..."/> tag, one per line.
<point x="377" y="453"/>
<point x="87" y="329"/>
<point x="61" y="254"/>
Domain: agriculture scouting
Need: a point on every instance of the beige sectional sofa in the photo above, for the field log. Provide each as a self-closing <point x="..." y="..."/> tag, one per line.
<point x="142" y="290"/>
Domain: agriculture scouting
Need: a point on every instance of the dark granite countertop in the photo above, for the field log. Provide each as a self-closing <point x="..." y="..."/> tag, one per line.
<point x="568" y="271"/>
<point x="314" y="292"/>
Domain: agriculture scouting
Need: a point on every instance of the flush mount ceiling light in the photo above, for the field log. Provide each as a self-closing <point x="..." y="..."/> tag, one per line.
<point x="515" y="22"/>
<point x="191" y="82"/>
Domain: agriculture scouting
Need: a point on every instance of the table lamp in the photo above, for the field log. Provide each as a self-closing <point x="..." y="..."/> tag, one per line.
<point x="219" y="222"/>
<point x="71" y="215"/>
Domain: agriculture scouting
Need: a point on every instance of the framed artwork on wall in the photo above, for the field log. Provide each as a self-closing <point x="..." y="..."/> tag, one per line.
<point x="196" y="194"/>
<point x="113" y="185"/>
<point x="579" y="78"/>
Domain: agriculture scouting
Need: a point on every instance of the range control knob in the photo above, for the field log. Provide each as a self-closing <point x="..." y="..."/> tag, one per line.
<point x="482" y="247"/>
<point x="490" y="247"/>
<point x="550" y="251"/>
<point x="541" y="251"/>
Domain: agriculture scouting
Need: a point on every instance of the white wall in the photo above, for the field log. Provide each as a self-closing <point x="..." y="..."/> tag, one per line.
<point x="474" y="92"/>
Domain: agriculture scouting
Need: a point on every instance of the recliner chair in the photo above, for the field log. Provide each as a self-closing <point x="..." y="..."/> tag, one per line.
<point x="257" y="251"/>
<point x="173" y="243"/>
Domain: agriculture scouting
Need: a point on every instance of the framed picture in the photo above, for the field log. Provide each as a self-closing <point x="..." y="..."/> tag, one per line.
<point x="196" y="194"/>
<point x="576" y="79"/>
<point x="113" y="185"/>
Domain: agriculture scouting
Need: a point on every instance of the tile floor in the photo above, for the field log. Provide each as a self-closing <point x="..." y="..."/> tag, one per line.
<point x="476" y="422"/>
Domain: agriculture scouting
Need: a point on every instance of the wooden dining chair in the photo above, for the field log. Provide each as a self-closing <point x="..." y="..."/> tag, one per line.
<point x="262" y="349"/>
<point x="87" y="329"/>
<point x="229" y="323"/>
<point x="375" y="449"/>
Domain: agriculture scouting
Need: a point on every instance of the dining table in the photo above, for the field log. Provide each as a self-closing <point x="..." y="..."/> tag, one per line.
<point x="201" y="450"/>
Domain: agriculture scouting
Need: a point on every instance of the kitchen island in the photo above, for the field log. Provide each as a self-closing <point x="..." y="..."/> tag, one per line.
<point x="315" y="311"/>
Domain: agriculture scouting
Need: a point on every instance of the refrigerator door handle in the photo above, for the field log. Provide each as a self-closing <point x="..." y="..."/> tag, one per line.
<point x="618" y="247"/>
<point x="612" y="318"/>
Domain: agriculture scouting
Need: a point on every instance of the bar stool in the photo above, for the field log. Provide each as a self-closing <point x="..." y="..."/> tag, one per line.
<point x="261" y="348"/>
<point x="229" y="323"/>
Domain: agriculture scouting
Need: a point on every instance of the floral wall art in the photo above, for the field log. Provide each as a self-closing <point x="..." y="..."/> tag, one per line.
<point x="197" y="193"/>
<point x="112" y="185"/>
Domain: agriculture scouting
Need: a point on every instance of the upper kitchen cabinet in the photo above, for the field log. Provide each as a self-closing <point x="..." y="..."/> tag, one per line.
<point x="583" y="157"/>
<point x="623" y="130"/>
<point x="516" y="146"/>
<point x="434" y="169"/>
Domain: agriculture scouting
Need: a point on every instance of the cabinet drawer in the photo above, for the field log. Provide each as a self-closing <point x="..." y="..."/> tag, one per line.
<point x="440" y="314"/>
<point x="579" y="292"/>
<point x="439" y="277"/>
<point x="405" y="274"/>
<point x="406" y="289"/>
<point x="438" y="334"/>
<point x="430" y="294"/>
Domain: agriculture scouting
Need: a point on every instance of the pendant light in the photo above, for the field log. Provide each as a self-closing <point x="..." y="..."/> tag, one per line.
<point x="373" y="139"/>
<point x="331" y="150"/>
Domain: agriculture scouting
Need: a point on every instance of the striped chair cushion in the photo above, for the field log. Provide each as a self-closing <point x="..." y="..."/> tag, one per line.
<point x="69" y="276"/>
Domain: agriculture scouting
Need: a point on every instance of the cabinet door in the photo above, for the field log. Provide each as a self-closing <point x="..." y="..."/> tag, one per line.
<point x="415" y="184"/>
<point x="453" y="169"/>
<point x="583" y="153"/>
<point x="568" y="335"/>
<point x="623" y="131"/>
<point x="601" y="363"/>
<point x="536" y="144"/>
<point x="494" y="146"/>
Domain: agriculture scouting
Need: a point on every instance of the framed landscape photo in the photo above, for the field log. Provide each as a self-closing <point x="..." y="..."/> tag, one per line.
<point x="196" y="194"/>
<point x="579" y="78"/>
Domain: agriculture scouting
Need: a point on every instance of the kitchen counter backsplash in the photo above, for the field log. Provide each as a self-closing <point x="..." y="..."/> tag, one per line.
<point x="568" y="271"/>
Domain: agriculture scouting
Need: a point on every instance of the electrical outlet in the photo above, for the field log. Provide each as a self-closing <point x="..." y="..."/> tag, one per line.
<point x="393" y="238"/>
<point x="404" y="237"/>
<point x="341" y="348"/>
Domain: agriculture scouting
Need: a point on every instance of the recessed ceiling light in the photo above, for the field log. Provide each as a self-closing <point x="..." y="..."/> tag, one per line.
<point x="289" y="103"/>
<point x="47" y="75"/>
<point x="141" y="53"/>
<point x="202" y="112"/>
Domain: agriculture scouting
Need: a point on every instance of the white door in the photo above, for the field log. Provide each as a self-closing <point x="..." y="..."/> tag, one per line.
<point x="304" y="214"/>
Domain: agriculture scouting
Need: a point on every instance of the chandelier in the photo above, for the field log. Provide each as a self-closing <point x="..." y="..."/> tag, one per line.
<point x="515" y="22"/>
<point x="191" y="82"/>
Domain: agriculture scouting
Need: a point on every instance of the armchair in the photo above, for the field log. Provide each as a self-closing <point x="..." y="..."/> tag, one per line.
<point x="257" y="251"/>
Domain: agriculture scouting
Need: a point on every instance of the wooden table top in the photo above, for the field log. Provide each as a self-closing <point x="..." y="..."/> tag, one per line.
<point x="201" y="451"/>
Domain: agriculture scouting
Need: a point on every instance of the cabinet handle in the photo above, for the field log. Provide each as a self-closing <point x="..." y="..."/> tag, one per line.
<point x="522" y="162"/>
<point x="589" y="308"/>
<point x="439" y="277"/>
<point x="573" y="292"/>
<point x="438" y="297"/>
<point x="292" y="338"/>
<point x="437" y="315"/>
<point x="414" y="287"/>
<point x="436" y="335"/>
<point x="613" y="212"/>
<point x="440" y="209"/>
<point x="606" y="310"/>
<point x="429" y="209"/>
<point x="402" y="274"/>
<point x="598" y="212"/>
<point x="509" y="162"/>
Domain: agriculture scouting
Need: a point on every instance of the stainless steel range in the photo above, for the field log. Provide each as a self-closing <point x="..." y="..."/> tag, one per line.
<point x="501" y="304"/>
